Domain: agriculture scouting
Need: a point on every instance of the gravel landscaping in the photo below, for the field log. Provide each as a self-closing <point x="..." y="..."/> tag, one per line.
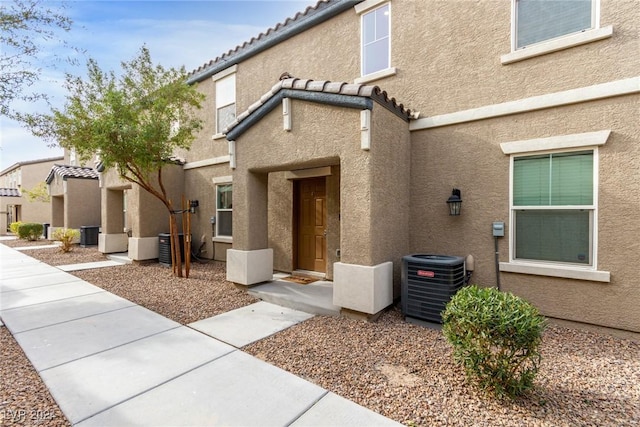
<point x="400" y="370"/>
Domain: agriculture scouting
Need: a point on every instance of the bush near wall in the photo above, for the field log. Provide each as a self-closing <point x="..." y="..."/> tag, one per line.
<point x="30" y="230"/>
<point x="66" y="236"/>
<point x="14" y="227"/>
<point x="495" y="337"/>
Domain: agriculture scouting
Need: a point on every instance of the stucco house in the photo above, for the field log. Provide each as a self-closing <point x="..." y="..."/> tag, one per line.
<point x="16" y="206"/>
<point x="333" y="141"/>
<point x="75" y="194"/>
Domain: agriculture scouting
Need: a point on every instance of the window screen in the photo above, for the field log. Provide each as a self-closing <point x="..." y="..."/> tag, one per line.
<point x="553" y="207"/>
<point x="540" y="20"/>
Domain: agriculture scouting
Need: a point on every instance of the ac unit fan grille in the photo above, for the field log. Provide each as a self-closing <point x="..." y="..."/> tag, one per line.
<point x="428" y="285"/>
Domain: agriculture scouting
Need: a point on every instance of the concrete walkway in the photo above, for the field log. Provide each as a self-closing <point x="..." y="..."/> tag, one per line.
<point x="110" y="362"/>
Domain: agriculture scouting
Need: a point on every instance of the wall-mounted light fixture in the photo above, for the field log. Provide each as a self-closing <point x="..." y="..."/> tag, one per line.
<point x="455" y="202"/>
<point x="193" y="204"/>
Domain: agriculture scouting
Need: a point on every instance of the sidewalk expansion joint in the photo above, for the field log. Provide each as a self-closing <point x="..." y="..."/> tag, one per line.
<point x="110" y="348"/>
<point x="157" y="385"/>
<point x="304" y="411"/>
<point x="73" y="320"/>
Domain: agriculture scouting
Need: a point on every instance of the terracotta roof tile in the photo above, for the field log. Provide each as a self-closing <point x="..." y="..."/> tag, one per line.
<point x="9" y="192"/>
<point x="340" y="88"/>
<point x="67" y="171"/>
<point x="334" y="87"/>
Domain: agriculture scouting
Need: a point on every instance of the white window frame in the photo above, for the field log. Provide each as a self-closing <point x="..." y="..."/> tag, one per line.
<point x="363" y="9"/>
<point x="558" y="144"/>
<point x="220" y="181"/>
<point x="217" y="78"/>
<point x="558" y="43"/>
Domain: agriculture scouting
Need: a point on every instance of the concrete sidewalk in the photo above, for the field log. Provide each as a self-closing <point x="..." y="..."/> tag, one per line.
<point x="110" y="362"/>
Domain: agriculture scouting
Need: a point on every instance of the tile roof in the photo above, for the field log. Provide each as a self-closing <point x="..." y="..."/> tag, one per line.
<point x="312" y="15"/>
<point x="10" y="192"/>
<point x="289" y="83"/>
<point x="67" y="171"/>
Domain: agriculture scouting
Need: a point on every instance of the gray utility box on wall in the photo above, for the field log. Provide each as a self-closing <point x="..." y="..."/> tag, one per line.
<point x="428" y="283"/>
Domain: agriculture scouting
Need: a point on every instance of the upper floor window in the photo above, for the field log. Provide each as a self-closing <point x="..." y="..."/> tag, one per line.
<point x="376" y="41"/>
<point x="553" y="206"/>
<point x="225" y="102"/>
<point x="541" y="20"/>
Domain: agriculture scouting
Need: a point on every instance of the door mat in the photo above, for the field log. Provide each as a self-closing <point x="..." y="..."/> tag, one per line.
<point x="301" y="280"/>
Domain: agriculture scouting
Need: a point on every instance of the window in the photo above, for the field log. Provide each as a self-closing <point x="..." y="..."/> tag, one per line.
<point x="224" y="210"/>
<point x="540" y="20"/>
<point x="553" y="207"/>
<point x="376" y="42"/>
<point x="225" y="102"/>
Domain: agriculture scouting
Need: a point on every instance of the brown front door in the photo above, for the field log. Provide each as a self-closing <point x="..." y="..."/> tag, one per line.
<point x="312" y="224"/>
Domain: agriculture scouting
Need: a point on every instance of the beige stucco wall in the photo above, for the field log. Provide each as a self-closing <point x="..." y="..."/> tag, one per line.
<point x="446" y="60"/>
<point x="30" y="211"/>
<point x="146" y="215"/>
<point x="390" y="190"/>
<point x="149" y="216"/>
<point x="448" y="55"/>
<point x="199" y="185"/>
<point x="369" y="183"/>
<point x="81" y="203"/>
<point x="468" y="156"/>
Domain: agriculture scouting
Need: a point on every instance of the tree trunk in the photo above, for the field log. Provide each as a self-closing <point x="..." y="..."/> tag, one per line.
<point x="176" y="259"/>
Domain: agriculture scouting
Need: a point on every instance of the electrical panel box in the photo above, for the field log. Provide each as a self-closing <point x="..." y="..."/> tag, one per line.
<point x="498" y="229"/>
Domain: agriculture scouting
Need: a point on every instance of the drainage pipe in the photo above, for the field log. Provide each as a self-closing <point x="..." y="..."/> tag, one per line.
<point x="497" y="255"/>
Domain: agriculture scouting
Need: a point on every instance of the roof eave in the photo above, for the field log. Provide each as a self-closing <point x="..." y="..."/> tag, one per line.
<point x="323" y="12"/>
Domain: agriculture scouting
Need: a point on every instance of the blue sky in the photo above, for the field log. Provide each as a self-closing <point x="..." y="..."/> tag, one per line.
<point x="188" y="33"/>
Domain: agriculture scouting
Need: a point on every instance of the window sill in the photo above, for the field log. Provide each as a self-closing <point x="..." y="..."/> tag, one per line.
<point x="557" y="44"/>
<point x="556" y="271"/>
<point x="222" y="239"/>
<point x="219" y="136"/>
<point x="376" y="76"/>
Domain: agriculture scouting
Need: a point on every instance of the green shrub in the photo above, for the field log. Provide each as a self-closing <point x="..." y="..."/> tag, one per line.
<point x="14" y="227"/>
<point x="66" y="236"/>
<point x="495" y="337"/>
<point x="30" y="230"/>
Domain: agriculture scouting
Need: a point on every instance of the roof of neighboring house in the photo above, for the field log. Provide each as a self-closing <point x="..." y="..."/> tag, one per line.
<point x="349" y="95"/>
<point x="30" y="162"/>
<point x="67" y="171"/>
<point x="302" y="21"/>
<point x="10" y="192"/>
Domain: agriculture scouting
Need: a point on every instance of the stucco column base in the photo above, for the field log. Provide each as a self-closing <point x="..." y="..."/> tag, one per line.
<point x="363" y="288"/>
<point x="249" y="267"/>
<point x="112" y="243"/>
<point x="142" y="248"/>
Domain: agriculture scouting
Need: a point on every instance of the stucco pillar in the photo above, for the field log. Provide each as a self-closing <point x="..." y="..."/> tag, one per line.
<point x="250" y="261"/>
<point x="112" y="238"/>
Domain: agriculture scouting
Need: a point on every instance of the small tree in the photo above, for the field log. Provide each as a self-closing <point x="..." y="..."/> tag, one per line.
<point x="27" y="26"/>
<point x="39" y="193"/>
<point x="134" y="122"/>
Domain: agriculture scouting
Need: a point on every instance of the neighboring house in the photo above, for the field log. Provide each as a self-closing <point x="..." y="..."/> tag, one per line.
<point x="529" y="108"/>
<point x="132" y="218"/>
<point x="16" y="206"/>
<point x="75" y="197"/>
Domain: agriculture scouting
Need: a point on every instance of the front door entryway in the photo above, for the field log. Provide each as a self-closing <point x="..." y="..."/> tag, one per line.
<point x="311" y="224"/>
